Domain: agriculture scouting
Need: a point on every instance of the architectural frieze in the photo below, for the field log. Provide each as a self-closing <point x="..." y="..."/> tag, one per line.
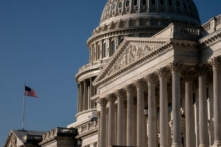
<point x="124" y="67"/>
<point x="120" y="31"/>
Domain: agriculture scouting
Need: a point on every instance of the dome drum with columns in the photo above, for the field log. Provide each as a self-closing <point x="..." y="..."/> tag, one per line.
<point x="137" y="18"/>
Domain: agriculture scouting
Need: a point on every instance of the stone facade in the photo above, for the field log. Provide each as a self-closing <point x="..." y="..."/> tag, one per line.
<point x="151" y="55"/>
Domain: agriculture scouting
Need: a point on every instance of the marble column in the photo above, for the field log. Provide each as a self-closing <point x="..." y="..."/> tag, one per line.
<point x="211" y="114"/>
<point x="120" y="108"/>
<point x="175" y="67"/>
<point x="85" y="101"/>
<point x="115" y="127"/>
<point x="111" y="119"/>
<point x="81" y="97"/>
<point x="103" y="103"/>
<point x="135" y="121"/>
<point x="152" y="116"/>
<point x="140" y="113"/>
<point x="125" y="123"/>
<point x="189" y="110"/>
<point x="91" y="93"/>
<point x="216" y="64"/>
<point x="130" y="115"/>
<point x="196" y="112"/>
<point x="162" y="72"/>
<point x="203" y="120"/>
<point x="107" y="126"/>
<point x="99" y="122"/>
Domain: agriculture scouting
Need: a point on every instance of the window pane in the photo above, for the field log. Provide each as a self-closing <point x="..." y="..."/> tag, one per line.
<point x="112" y="47"/>
<point x="120" y="5"/>
<point x="127" y="3"/>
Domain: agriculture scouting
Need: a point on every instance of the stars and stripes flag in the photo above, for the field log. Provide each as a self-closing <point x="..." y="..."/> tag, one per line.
<point x="30" y="92"/>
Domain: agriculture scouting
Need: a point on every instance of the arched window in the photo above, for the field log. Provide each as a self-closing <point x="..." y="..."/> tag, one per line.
<point x="98" y="52"/>
<point x="112" y="47"/>
<point x="113" y="6"/>
<point x="120" y="5"/>
<point x="104" y="49"/>
<point x="144" y="2"/>
<point x="135" y="2"/>
<point x="127" y="3"/>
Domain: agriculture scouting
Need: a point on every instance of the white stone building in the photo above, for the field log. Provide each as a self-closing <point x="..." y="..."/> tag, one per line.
<point x="150" y="56"/>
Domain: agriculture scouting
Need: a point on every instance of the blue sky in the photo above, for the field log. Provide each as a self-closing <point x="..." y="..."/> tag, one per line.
<point x="43" y="44"/>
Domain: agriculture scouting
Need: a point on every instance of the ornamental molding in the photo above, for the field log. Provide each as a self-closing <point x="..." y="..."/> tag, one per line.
<point x="211" y="38"/>
<point x="128" y="53"/>
<point x="122" y="32"/>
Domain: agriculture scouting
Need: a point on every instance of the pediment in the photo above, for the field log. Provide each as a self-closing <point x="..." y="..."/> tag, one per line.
<point x="11" y="141"/>
<point x="129" y="52"/>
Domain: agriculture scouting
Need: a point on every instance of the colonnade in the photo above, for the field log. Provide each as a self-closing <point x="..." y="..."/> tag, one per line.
<point x="163" y="80"/>
<point x="85" y="91"/>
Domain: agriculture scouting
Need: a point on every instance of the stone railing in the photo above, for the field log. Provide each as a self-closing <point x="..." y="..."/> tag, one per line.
<point x="211" y="26"/>
<point x="91" y="65"/>
<point x="180" y="32"/>
<point x="59" y="132"/>
<point x="88" y="126"/>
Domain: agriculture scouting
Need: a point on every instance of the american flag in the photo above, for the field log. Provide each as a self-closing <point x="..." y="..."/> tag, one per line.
<point x="30" y="92"/>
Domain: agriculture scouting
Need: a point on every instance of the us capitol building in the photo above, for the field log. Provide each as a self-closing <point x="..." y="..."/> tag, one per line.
<point x="153" y="80"/>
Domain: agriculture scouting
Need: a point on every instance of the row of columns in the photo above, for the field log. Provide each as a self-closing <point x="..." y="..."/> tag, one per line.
<point x="163" y="105"/>
<point x="85" y="91"/>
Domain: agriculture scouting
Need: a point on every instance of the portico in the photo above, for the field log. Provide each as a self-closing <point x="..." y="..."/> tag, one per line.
<point x="151" y="77"/>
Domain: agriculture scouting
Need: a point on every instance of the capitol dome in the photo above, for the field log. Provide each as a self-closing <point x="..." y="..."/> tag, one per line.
<point x="174" y="10"/>
<point x="137" y="18"/>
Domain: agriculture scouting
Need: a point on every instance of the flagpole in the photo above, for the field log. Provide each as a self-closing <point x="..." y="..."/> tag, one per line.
<point x="23" y="115"/>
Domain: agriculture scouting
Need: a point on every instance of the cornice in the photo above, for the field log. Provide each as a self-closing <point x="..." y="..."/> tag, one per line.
<point x="83" y="112"/>
<point x="57" y="134"/>
<point x="211" y="38"/>
<point x="85" y="72"/>
<point x="122" y="31"/>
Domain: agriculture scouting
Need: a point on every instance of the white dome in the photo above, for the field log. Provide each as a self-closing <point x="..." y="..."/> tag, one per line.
<point x="181" y="10"/>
